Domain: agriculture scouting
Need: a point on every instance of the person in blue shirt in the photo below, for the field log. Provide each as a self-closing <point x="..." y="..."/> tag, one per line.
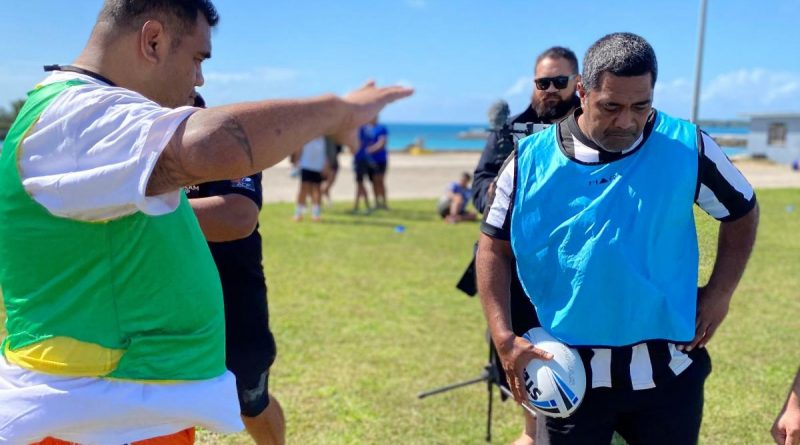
<point x="452" y="206"/>
<point x="597" y="212"/>
<point x="371" y="161"/>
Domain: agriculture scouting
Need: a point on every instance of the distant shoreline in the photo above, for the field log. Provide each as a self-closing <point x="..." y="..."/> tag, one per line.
<point x="426" y="176"/>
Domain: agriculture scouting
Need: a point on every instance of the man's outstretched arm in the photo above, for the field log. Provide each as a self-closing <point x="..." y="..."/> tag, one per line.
<point x="238" y="140"/>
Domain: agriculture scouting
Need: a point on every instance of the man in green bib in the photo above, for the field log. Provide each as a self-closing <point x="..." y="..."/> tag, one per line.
<point x="114" y="308"/>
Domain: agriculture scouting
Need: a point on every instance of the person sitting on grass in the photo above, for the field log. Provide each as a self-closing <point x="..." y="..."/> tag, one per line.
<point x="453" y="204"/>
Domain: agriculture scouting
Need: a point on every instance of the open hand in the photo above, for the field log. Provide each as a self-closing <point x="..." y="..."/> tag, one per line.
<point x="364" y="105"/>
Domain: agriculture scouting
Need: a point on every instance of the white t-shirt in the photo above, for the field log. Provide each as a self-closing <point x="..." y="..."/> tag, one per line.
<point x="89" y="158"/>
<point x="91" y="153"/>
<point x="313" y="155"/>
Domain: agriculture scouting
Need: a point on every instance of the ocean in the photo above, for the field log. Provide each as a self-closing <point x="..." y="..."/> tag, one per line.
<point x="445" y="137"/>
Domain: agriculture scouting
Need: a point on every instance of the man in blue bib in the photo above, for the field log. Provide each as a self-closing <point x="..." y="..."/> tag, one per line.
<point x="597" y="211"/>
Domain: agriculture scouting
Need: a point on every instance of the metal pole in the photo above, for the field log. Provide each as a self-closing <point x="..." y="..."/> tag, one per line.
<point x="699" y="62"/>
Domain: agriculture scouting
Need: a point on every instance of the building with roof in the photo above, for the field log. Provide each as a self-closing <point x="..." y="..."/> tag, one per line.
<point x="775" y="136"/>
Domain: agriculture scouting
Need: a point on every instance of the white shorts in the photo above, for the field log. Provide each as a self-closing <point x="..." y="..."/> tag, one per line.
<point x="89" y="410"/>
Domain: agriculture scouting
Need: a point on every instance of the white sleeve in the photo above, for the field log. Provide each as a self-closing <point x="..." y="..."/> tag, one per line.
<point x="497" y="215"/>
<point x="90" y="155"/>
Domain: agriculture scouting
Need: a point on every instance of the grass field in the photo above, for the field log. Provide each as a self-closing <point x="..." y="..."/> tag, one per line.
<point x="366" y="317"/>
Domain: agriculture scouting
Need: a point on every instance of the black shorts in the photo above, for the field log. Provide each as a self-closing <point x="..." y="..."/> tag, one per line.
<point x="379" y="168"/>
<point x="363" y="168"/>
<point x="311" y="176"/>
<point x="668" y="414"/>
<point x="249" y="348"/>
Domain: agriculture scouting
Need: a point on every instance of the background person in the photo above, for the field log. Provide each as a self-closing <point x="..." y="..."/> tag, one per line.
<point x="228" y="215"/>
<point x="312" y="163"/>
<point x="332" y="151"/>
<point x="452" y="206"/>
<point x="555" y="77"/>
<point x="92" y="173"/>
<point x="375" y="136"/>
<point x="368" y="162"/>
<point x="597" y="212"/>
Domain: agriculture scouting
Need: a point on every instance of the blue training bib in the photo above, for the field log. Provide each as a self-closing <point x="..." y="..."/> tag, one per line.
<point x="608" y="253"/>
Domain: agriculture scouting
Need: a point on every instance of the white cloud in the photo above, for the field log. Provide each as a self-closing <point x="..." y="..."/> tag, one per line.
<point x="522" y="85"/>
<point x="677" y="87"/>
<point x="674" y="96"/>
<point x="729" y="95"/>
<point x="418" y="4"/>
<point x="404" y="83"/>
<point x="751" y="90"/>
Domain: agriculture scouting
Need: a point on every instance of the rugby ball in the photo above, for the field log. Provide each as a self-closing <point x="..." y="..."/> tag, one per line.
<point x="554" y="387"/>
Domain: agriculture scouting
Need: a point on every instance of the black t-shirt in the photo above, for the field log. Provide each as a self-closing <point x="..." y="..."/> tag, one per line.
<point x="498" y="147"/>
<point x="238" y="261"/>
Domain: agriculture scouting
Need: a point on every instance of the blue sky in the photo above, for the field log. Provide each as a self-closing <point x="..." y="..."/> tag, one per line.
<point x="459" y="55"/>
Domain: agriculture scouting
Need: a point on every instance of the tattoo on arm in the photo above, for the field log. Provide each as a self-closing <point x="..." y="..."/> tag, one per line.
<point x="170" y="172"/>
<point x="234" y="128"/>
<point x="179" y="165"/>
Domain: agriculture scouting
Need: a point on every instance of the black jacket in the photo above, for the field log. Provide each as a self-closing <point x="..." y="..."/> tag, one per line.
<point x="498" y="147"/>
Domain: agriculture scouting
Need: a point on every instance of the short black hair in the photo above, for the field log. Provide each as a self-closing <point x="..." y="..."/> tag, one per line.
<point x="199" y="102"/>
<point x="466" y="175"/>
<point x="621" y="54"/>
<point x="559" y="52"/>
<point x="128" y="15"/>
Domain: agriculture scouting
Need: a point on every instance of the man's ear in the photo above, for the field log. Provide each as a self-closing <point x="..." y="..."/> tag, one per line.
<point x="153" y="41"/>
<point x="581" y="90"/>
<point x="582" y="93"/>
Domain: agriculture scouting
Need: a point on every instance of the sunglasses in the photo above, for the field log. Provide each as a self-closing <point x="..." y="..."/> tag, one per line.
<point x="560" y="82"/>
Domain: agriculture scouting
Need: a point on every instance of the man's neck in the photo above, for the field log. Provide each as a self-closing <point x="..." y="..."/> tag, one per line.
<point x="109" y="57"/>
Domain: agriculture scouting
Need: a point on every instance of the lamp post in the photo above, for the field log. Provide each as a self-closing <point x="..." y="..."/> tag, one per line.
<point x="698" y="69"/>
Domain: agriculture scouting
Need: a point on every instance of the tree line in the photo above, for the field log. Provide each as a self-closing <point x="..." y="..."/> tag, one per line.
<point x="7" y="117"/>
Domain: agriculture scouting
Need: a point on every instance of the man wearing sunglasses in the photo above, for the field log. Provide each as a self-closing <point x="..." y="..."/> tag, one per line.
<point x="597" y="213"/>
<point x="553" y="97"/>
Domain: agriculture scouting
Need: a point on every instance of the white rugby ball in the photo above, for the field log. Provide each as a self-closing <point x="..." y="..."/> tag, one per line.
<point x="554" y="387"/>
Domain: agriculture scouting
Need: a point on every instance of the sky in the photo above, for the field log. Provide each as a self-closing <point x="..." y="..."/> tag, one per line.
<point x="460" y="56"/>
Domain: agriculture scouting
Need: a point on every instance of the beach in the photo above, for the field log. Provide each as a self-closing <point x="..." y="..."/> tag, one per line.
<point x="427" y="175"/>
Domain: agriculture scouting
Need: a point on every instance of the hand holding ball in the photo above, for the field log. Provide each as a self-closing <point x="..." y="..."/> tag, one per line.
<point x="554" y="387"/>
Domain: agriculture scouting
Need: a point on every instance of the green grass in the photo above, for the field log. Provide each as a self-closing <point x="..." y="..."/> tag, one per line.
<point x="366" y="317"/>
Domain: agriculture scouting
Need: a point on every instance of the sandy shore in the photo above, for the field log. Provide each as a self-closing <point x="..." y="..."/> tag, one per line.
<point x="426" y="176"/>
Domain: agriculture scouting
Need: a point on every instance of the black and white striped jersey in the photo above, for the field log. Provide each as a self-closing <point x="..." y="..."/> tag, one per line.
<point x="642" y="366"/>
<point x="722" y="192"/>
